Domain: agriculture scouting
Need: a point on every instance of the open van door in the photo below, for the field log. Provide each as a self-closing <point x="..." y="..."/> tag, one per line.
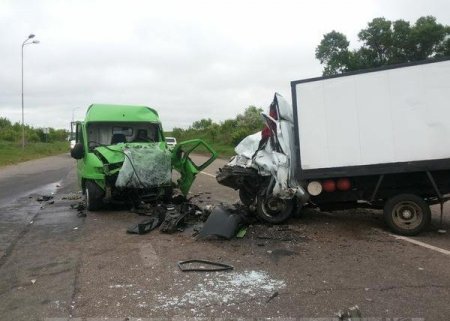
<point x="187" y="167"/>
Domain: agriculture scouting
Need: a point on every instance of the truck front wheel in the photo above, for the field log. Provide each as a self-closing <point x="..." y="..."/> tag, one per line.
<point x="273" y="209"/>
<point x="407" y="214"/>
<point x="94" y="196"/>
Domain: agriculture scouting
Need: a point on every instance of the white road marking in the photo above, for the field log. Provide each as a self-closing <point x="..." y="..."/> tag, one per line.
<point x="205" y="173"/>
<point x="419" y="243"/>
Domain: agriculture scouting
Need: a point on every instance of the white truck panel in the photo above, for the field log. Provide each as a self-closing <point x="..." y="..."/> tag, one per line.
<point x="389" y="116"/>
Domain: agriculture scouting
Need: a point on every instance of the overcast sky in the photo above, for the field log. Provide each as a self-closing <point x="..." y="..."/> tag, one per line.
<point x="187" y="59"/>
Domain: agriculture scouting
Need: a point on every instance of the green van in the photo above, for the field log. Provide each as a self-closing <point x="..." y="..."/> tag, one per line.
<point x="122" y="155"/>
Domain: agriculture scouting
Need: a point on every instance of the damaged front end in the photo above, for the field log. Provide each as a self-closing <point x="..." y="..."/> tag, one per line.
<point x="262" y="170"/>
<point x="135" y="172"/>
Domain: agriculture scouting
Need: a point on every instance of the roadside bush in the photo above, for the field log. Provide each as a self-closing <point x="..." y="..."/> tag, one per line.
<point x="8" y="134"/>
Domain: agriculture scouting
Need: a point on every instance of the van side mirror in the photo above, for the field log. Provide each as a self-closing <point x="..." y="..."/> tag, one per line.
<point x="77" y="151"/>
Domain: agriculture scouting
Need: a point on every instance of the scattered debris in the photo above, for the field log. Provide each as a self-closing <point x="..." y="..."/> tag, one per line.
<point x="145" y="226"/>
<point x="274" y="295"/>
<point x="222" y="222"/>
<point x="224" y="289"/>
<point x="72" y="197"/>
<point x="80" y="207"/>
<point x="190" y="266"/>
<point x="171" y="217"/>
<point x="241" y="233"/>
<point x="174" y="218"/>
<point x="44" y="198"/>
<point x="350" y="314"/>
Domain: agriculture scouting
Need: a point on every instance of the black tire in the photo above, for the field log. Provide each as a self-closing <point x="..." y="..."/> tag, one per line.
<point x="94" y="196"/>
<point x="246" y="197"/>
<point x="273" y="210"/>
<point x="407" y="214"/>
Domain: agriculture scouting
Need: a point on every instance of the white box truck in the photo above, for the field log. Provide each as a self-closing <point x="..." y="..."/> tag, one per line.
<point x="377" y="138"/>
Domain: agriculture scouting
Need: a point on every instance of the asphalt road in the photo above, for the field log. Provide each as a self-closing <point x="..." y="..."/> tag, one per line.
<point x="55" y="265"/>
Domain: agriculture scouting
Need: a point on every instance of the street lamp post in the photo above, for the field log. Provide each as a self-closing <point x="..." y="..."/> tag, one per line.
<point x="26" y="42"/>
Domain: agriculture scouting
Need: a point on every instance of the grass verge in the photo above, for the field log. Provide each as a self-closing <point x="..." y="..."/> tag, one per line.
<point x="12" y="153"/>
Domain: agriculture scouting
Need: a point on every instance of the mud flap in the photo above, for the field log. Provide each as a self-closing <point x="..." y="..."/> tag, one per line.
<point x="188" y="169"/>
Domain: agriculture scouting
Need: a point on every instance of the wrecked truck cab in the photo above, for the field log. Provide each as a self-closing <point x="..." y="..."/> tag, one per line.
<point x="261" y="169"/>
<point x="122" y="156"/>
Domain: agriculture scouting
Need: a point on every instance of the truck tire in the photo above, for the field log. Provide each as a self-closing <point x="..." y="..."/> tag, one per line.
<point x="273" y="210"/>
<point x="407" y="214"/>
<point x="94" y="196"/>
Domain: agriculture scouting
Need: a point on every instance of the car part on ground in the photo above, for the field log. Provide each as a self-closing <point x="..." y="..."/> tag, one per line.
<point x="351" y="314"/>
<point x="190" y="266"/>
<point x="145" y="226"/>
<point x="222" y="222"/>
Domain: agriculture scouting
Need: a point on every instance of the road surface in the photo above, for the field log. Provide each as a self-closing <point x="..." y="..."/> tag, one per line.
<point x="55" y="265"/>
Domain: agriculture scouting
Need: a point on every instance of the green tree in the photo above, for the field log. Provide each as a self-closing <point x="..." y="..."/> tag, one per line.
<point x="202" y="124"/>
<point x="4" y="123"/>
<point x="251" y="119"/>
<point x="384" y="42"/>
<point x="333" y="53"/>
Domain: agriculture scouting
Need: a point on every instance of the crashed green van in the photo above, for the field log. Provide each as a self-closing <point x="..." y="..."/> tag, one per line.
<point x="122" y="155"/>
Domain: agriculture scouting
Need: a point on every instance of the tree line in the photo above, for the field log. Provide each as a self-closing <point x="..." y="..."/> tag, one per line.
<point x="12" y="132"/>
<point x="227" y="132"/>
<point x="384" y="42"/>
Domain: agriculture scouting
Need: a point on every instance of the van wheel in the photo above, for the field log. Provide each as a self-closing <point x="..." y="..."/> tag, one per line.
<point x="407" y="214"/>
<point x="273" y="209"/>
<point x="94" y="196"/>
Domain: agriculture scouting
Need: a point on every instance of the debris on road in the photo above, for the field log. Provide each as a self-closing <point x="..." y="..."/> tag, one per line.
<point x="145" y="226"/>
<point x="44" y="198"/>
<point x="72" y="197"/>
<point x="351" y="314"/>
<point x="174" y="218"/>
<point x="221" y="289"/>
<point x="222" y="222"/>
<point x="201" y="266"/>
<point x="80" y="207"/>
<point x="241" y="233"/>
<point x="274" y="295"/>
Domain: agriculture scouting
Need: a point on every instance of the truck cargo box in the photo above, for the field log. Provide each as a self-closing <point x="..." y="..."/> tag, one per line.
<point x="388" y="120"/>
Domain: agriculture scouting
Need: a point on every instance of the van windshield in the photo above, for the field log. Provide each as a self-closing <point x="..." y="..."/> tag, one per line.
<point x="111" y="133"/>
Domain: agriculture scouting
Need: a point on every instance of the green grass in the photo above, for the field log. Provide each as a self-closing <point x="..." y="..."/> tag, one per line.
<point x="12" y="153"/>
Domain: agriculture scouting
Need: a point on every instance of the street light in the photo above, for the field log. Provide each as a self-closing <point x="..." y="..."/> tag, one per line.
<point x="26" y="42"/>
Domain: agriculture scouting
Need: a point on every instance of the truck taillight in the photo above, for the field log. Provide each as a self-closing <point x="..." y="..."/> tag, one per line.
<point x="343" y="184"/>
<point x="329" y="185"/>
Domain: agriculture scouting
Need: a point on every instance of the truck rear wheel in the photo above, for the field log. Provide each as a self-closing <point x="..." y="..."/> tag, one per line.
<point x="273" y="209"/>
<point x="94" y="196"/>
<point x="407" y="214"/>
